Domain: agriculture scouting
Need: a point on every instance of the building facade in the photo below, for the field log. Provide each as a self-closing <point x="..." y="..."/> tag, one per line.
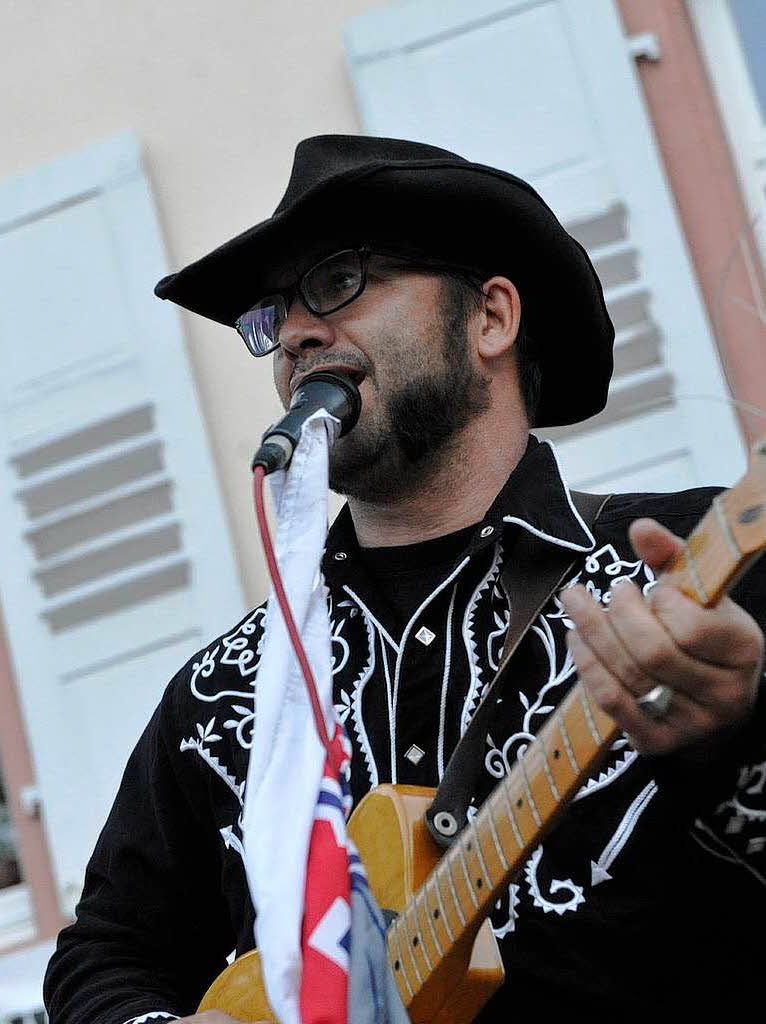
<point x="143" y="137"/>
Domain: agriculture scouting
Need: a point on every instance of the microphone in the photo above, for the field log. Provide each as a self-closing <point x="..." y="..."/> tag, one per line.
<point x="335" y="392"/>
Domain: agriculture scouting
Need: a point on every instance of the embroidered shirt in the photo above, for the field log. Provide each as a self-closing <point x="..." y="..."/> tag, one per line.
<point x="658" y="861"/>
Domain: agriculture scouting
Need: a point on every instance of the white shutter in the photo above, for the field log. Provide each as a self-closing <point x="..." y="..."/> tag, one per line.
<point x="116" y="560"/>
<point x="547" y="90"/>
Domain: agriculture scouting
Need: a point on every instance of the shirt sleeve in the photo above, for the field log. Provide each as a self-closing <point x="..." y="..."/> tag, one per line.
<point x="152" y="929"/>
<point x="734" y="827"/>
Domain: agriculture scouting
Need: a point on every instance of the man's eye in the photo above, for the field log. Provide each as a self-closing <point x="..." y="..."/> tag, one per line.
<point x="341" y="281"/>
<point x="341" y="284"/>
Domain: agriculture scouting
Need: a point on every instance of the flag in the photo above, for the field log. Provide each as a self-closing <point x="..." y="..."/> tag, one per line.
<point x="326" y="932"/>
<point x="305" y="877"/>
<point x="286" y="768"/>
<point x="347" y="978"/>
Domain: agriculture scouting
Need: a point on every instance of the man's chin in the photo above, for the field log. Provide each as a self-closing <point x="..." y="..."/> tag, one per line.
<point x="366" y="472"/>
<point x="380" y="478"/>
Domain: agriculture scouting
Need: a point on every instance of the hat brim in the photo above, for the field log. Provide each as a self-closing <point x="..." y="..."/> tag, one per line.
<point x="457" y="212"/>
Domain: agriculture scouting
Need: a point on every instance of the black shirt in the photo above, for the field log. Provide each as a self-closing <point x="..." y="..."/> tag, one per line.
<point x="655" y="879"/>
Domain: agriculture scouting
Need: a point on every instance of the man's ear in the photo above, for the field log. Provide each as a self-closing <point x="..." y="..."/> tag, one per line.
<point x="502" y="317"/>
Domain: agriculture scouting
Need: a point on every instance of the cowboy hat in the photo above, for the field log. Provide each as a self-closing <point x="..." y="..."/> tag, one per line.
<point x="417" y="199"/>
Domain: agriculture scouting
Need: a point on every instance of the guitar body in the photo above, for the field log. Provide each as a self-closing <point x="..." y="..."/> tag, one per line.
<point x="399" y="854"/>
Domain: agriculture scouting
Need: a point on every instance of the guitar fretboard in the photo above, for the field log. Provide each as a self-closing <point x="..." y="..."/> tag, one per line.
<point x="475" y="871"/>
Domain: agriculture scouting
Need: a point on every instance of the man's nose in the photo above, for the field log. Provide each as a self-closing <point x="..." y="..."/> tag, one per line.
<point x="303" y="331"/>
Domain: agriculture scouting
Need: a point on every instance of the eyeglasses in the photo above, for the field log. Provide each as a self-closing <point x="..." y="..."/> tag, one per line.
<point x="325" y="288"/>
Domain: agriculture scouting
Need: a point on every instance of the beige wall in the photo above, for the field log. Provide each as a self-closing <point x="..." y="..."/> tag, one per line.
<point x="218" y="94"/>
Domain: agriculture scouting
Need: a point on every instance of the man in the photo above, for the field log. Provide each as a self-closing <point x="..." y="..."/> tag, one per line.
<point x="467" y="314"/>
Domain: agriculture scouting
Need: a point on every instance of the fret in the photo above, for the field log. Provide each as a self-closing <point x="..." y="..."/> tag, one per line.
<point x="418" y="941"/>
<point x="726" y="530"/>
<point x="442" y="913"/>
<point x="429" y="919"/>
<point x="547" y="769"/>
<point x="511" y="816"/>
<point x="586" y="705"/>
<point x="464" y="866"/>
<point x="579" y="733"/>
<point x="694" y="576"/>
<point x="528" y="789"/>
<point x="495" y="837"/>
<point x="398" y="958"/>
<point x="558" y="763"/>
<point x="480" y="853"/>
<point x="567" y="742"/>
<point x="402" y="922"/>
<point x="458" y="908"/>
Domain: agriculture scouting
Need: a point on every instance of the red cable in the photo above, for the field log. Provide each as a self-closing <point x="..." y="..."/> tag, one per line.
<point x="258" y="477"/>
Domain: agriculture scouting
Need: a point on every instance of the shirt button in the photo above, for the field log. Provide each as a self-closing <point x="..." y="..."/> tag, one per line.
<point x="487" y="531"/>
<point x="425" y="636"/>
<point x="340" y="556"/>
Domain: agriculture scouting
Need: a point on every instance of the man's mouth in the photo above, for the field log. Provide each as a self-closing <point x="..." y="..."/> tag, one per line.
<point x="356" y="375"/>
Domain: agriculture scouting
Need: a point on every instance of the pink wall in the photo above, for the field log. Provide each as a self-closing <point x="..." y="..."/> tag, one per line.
<point x="701" y="173"/>
<point x="18" y="772"/>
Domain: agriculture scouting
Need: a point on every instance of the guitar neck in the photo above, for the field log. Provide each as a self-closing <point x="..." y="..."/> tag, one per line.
<point x="727" y="540"/>
<point x="461" y="891"/>
<point x="478" y="867"/>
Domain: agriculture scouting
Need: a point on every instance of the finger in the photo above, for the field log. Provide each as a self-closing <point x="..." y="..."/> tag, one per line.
<point x="661" y="659"/>
<point x="654" y="544"/>
<point x="634" y="644"/>
<point x="724" y="635"/>
<point x="638" y="652"/>
<point x="597" y="630"/>
<point x="684" y="722"/>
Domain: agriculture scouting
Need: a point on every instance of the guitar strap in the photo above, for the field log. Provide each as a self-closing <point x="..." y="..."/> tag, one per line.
<point x="533" y="571"/>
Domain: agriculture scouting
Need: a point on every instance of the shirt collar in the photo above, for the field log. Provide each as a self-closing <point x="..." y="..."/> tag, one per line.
<point x="535" y="497"/>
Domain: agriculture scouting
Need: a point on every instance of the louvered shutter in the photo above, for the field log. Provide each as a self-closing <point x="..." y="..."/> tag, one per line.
<point x="116" y="560"/>
<point x="547" y="90"/>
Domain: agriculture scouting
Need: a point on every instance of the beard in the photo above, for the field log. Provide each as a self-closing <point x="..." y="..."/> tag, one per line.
<point x="416" y="432"/>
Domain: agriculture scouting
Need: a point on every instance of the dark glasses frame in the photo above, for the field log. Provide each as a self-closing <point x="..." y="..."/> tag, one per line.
<point x="281" y="301"/>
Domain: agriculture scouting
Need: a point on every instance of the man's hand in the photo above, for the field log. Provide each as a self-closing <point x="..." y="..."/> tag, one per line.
<point x="712" y="658"/>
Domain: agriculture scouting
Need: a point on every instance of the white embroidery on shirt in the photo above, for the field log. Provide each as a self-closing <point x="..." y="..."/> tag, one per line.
<point x="478" y="683"/>
<point x="599" y="870"/>
<point x="197" y="743"/>
<point x="558" y="885"/>
<point x="357" y="692"/>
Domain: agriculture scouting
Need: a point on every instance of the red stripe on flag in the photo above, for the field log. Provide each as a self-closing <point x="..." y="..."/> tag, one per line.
<point x="325" y="933"/>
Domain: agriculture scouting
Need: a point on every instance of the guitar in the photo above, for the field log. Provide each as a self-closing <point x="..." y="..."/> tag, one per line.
<point x="441" y="947"/>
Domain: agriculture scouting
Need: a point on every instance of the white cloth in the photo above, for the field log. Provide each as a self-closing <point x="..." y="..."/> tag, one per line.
<point x="287" y="758"/>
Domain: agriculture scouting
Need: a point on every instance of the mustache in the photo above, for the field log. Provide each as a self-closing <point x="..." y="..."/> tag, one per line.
<point x="352" y="362"/>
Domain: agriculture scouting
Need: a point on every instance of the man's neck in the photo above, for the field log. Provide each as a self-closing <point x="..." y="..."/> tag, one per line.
<point x="457" y="495"/>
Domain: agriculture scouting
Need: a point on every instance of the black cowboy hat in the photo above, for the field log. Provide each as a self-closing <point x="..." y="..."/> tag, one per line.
<point x="419" y="200"/>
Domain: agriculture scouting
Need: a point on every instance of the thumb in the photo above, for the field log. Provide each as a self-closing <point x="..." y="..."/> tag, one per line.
<point x="654" y="544"/>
